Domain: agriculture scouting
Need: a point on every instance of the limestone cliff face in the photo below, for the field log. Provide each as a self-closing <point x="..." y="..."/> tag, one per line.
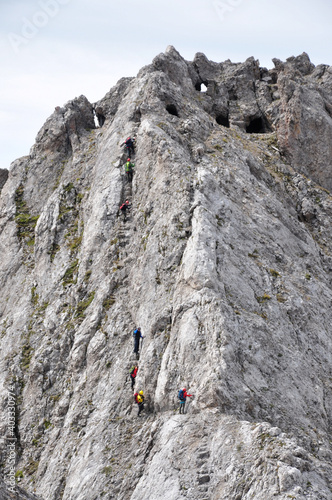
<point x="224" y="262"/>
<point x="3" y="177"/>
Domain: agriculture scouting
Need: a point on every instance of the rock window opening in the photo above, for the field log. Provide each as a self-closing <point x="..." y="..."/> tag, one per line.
<point x="201" y="87"/>
<point x="172" y="109"/>
<point x="222" y="120"/>
<point x="256" y="126"/>
<point x="99" y="117"/>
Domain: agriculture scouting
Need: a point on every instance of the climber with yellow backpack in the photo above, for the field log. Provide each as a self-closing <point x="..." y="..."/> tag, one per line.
<point x="139" y="399"/>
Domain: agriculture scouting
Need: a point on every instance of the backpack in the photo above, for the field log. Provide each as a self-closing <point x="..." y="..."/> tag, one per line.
<point x="131" y="371"/>
<point x="181" y="395"/>
<point x="139" y="399"/>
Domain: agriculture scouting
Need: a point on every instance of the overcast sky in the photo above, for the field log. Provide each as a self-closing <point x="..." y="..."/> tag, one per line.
<point x="55" y="50"/>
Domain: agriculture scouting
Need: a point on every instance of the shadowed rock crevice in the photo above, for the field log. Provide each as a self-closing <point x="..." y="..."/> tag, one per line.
<point x="257" y="125"/>
<point x="223" y="119"/>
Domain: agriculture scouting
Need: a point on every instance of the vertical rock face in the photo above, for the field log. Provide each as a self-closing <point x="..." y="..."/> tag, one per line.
<point x="14" y="492"/>
<point x="224" y="262"/>
<point x="3" y="177"/>
<point x="305" y="123"/>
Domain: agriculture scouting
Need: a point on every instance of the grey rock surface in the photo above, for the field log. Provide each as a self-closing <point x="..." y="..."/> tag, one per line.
<point x="14" y="493"/>
<point x="224" y="261"/>
<point x="3" y="177"/>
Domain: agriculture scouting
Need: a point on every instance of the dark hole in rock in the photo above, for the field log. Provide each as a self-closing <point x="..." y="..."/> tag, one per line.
<point x="172" y="109"/>
<point x="222" y="120"/>
<point x="256" y="126"/>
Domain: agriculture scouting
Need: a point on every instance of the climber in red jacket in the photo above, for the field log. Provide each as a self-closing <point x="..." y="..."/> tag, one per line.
<point x="133" y="373"/>
<point x="182" y="395"/>
<point x="123" y="208"/>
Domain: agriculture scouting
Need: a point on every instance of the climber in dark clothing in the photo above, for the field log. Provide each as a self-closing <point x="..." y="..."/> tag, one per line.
<point x="124" y="207"/>
<point x="129" y="170"/>
<point x="129" y="142"/>
<point x="137" y="336"/>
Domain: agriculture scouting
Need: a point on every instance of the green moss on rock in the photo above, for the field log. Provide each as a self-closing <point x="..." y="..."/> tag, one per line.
<point x="25" y="222"/>
<point x="69" y="276"/>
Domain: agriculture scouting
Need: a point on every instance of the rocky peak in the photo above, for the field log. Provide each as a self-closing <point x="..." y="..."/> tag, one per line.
<point x="301" y="63"/>
<point x="224" y="261"/>
<point x="64" y="127"/>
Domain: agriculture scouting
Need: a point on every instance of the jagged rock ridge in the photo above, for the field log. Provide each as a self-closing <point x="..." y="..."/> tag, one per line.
<point x="224" y="262"/>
